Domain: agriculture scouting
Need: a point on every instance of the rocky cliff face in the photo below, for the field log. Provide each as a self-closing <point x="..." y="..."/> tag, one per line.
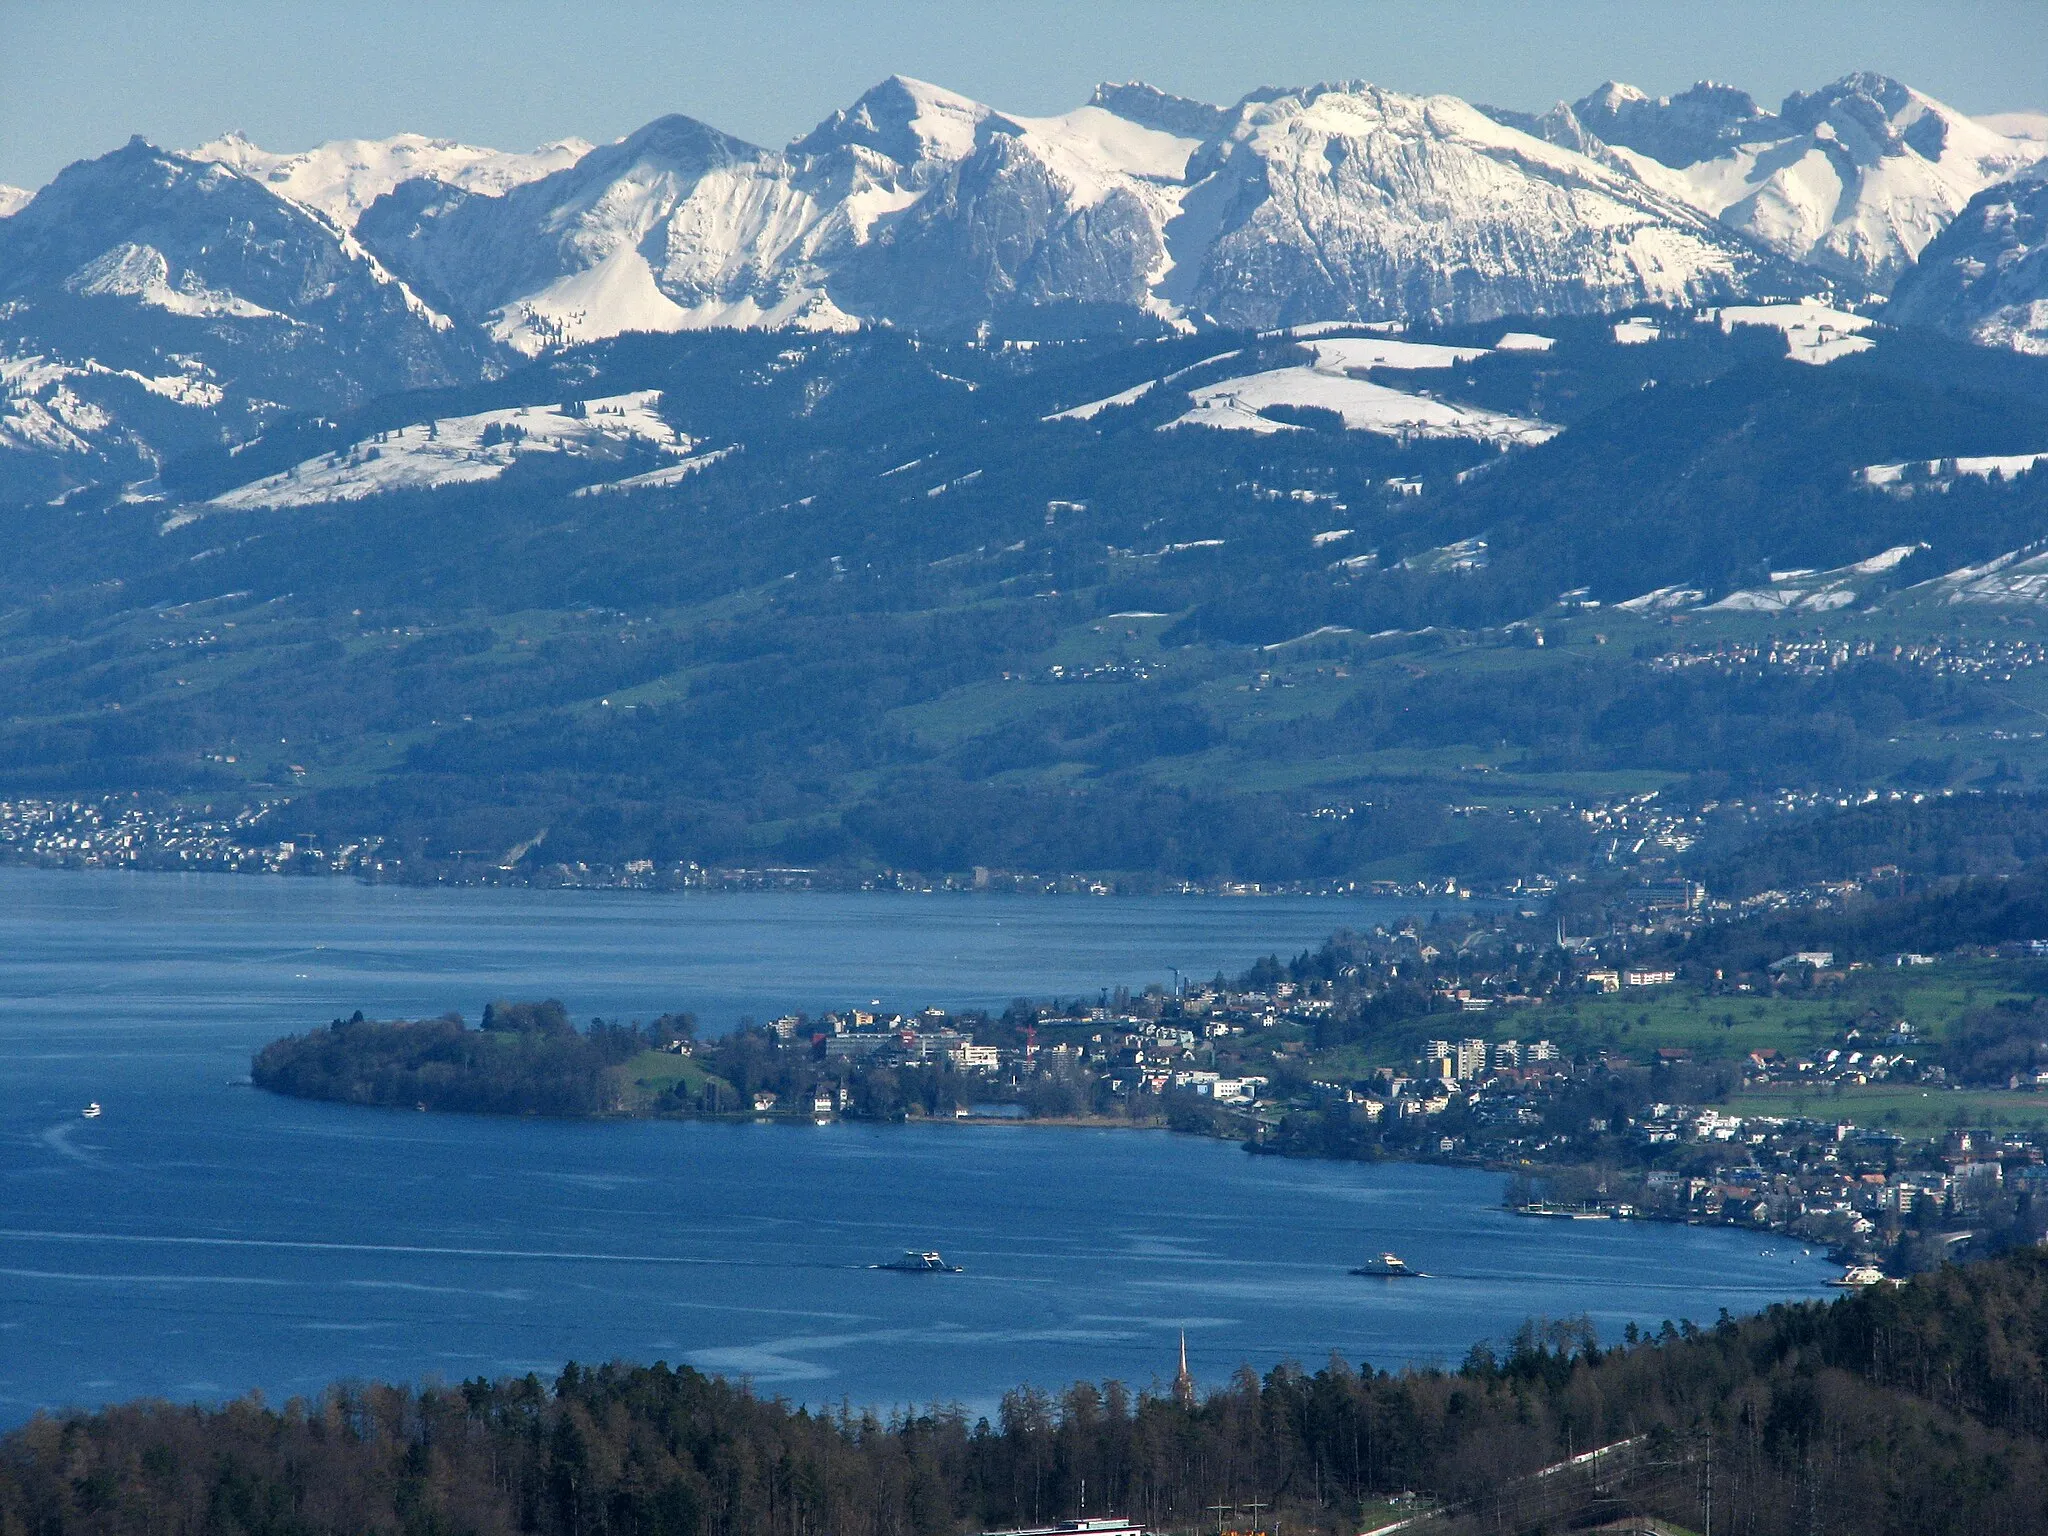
<point x="1986" y="276"/>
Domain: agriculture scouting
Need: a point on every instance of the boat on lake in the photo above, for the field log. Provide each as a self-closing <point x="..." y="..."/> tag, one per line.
<point x="916" y="1262"/>
<point x="1389" y="1266"/>
<point x="92" y="1111"/>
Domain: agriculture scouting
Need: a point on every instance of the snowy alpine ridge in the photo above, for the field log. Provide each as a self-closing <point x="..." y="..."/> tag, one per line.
<point x="1853" y="179"/>
<point x="919" y="207"/>
<point x="157" y="301"/>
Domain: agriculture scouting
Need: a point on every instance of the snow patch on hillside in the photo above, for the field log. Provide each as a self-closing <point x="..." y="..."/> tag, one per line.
<point x="41" y="412"/>
<point x="1344" y="354"/>
<point x="1136" y="392"/>
<point x="1095" y="408"/>
<point x="1815" y="591"/>
<point x="142" y="272"/>
<point x="2017" y="578"/>
<point x="41" y="409"/>
<point x="656" y="479"/>
<point x="453" y="451"/>
<point x="1236" y="405"/>
<point x="1663" y="598"/>
<point x="1912" y="476"/>
<point x="1814" y="332"/>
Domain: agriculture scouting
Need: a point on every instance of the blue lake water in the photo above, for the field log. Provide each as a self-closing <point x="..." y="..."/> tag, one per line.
<point x="201" y="1239"/>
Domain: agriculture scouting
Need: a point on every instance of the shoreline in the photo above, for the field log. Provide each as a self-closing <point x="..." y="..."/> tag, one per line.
<point x="753" y="882"/>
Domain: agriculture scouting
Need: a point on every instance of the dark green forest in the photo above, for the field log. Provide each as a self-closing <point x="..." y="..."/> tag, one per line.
<point x="1916" y="1410"/>
<point x="526" y="1059"/>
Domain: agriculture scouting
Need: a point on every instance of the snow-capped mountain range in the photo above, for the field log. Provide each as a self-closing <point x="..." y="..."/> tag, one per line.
<point x="255" y="282"/>
<point x="919" y="207"/>
<point x="1853" y="179"/>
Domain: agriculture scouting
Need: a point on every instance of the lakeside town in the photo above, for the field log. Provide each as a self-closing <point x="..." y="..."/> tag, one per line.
<point x="1641" y="834"/>
<point x="1889" y="1125"/>
<point x="1587" y="1133"/>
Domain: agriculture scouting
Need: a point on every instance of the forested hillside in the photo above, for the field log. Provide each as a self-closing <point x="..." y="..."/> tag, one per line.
<point x="875" y="601"/>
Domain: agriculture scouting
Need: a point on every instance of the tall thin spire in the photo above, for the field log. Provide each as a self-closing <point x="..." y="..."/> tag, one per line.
<point x="1183" y="1382"/>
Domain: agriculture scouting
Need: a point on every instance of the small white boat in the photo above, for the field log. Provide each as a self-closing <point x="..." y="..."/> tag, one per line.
<point x="92" y="1111"/>
<point x="1389" y="1266"/>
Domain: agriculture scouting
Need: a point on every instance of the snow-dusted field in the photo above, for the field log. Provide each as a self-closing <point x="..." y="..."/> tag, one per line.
<point x="1235" y="404"/>
<point x="1905" y="478"/>
<point x="452" y="451"/>
<point x="1814" y="333"/>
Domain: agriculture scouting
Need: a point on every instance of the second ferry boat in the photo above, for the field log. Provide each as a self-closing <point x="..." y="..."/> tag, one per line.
<point x="1389" y="1266"/>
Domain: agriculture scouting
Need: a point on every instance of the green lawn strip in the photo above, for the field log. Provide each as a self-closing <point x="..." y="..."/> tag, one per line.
<point x="1727" y="1026"/>
<point x="1906" y="1109"/>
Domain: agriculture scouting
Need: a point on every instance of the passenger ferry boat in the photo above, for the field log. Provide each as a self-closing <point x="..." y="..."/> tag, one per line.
<point x="1389" y="1266"/>
<point x="921" y="1263"/>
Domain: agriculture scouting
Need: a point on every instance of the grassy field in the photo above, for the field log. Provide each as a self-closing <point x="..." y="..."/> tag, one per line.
<point x="655" y="1072"/>
<point x="1910" y="1111"/>
<point x="1641" y="1020"/>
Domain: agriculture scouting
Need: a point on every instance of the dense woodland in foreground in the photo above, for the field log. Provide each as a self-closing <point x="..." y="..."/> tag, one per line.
<point x="1919" y="1409"/>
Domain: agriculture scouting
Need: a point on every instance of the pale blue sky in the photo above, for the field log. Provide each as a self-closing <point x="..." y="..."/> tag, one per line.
<point x="77" y="77"/>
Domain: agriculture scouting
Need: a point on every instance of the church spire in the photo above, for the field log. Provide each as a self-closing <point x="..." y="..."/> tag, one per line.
<point x="1183" y="1382"/>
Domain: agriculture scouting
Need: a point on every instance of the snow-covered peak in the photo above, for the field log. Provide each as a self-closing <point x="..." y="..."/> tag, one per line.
<point x="1676" y="130"/>
<point x="1986" y="277"/>
<point x="1613" y="96"/>
<point x="1874" y="117"/>
<point x="1349" y="200"/>
<point x="13" y="198"/>
<point x="1113" y="144"/>
<point x="343" y="177"/>
<point x="907" y="120"/>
